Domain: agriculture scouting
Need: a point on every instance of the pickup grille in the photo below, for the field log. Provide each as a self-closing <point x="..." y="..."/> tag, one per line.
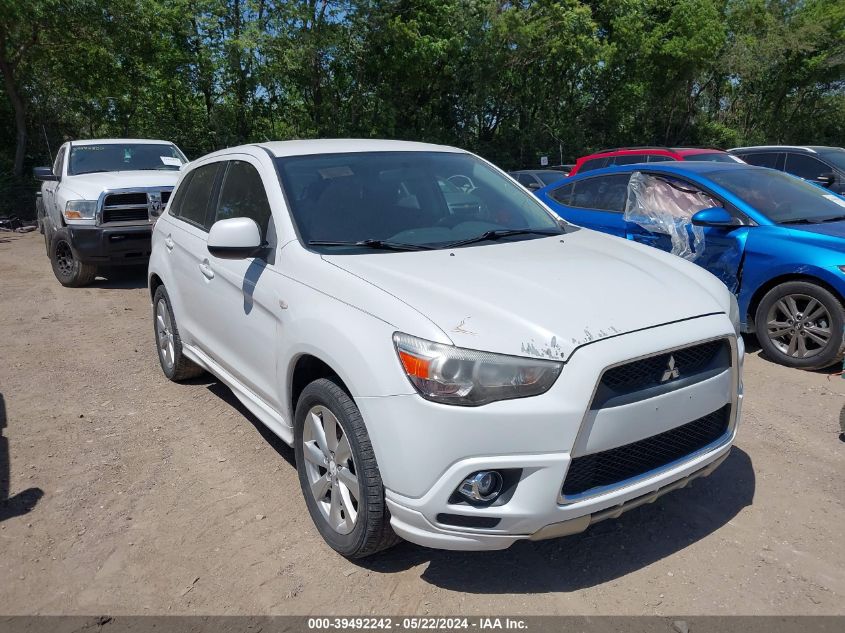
<point x="624" y="462"/>
<point x="132" y="206"/>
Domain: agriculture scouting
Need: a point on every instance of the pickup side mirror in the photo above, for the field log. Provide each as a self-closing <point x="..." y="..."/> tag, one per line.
<point x="44" y="173"/>
<point x="826" y="180"/>
<point x="234" y="238"/>
<point x="714" y="216"/>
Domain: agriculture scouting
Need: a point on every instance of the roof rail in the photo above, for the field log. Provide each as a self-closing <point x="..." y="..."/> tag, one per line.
<point x="803" y="147"/>
<point x="633" y="147"/>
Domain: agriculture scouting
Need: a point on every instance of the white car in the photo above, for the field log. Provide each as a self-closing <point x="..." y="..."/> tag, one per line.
<point x="460" y="375"/>
<point x="99" y="200"/>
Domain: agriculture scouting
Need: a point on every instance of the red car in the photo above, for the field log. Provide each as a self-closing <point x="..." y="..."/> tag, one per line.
<point x="630" y="155"/>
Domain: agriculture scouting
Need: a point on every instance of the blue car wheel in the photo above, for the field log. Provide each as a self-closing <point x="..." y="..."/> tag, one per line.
<point x="800" y="324"/>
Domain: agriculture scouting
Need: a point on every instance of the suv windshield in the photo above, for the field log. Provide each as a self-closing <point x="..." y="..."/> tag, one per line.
<point x="835" y="157"/>
<point x="92" y="158"/>
<point x="782" y="198"/>
<point x="417" y="199"/>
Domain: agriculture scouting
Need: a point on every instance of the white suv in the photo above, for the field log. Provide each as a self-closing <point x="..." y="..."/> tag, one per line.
<point x="452" y="363"/>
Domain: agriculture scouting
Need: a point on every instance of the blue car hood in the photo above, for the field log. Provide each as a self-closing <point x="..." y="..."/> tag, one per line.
<point x="832" y="229"/>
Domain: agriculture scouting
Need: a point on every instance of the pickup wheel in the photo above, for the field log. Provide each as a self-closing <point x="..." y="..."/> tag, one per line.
<point x="800" y="324"/>
<point x="168" y="342"/>
<point x="338" y="472"/>
<point x="66" y="267"/>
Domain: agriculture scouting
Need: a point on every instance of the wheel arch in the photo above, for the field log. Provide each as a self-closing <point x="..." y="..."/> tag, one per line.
<point x="766" y="286"/>
<point x="305" y="369"/>
<point x="154" y="282"/>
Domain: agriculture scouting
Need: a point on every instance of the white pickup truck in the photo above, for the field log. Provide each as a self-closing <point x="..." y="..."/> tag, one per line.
<point x="99" y="201"/>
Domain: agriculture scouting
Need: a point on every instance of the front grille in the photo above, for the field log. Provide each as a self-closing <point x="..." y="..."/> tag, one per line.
<point x="165" y="196"/>
<point x="137" y="214"/>
<point x="123" y="199"/>
<point x="126" y="207"/>
<point x="646" y="373"/>
<point x="624" y="462"/>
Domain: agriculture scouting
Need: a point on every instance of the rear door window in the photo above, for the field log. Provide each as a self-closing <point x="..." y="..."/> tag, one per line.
<point x="630" y="159"/>
<point x="593" y="163"/>
<point x="563" y="194"/>
<point x="805" y="167"/>
<point x="762" y="159"/>
<point x="192" y="206"/>
<point x="659" y="158"/>
<point x="605" y="193"/>
<point x="525" y="179"/>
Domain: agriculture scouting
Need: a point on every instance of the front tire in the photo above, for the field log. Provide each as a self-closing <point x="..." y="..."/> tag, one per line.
<point x="67" y="268"/>
<point x="338" y="473"/>
<point x="800" y="324"/>
<point x="168" y="342"/>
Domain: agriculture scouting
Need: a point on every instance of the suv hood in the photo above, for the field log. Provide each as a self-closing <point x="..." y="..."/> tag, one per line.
<point x="90" y="186"/>
<point x="542" y="297"/>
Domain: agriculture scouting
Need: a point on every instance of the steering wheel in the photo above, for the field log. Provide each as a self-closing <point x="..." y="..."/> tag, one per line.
<point x="462" y="182"/>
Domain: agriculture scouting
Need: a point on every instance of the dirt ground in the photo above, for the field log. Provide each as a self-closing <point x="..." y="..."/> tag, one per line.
<point x="129" y="494"/>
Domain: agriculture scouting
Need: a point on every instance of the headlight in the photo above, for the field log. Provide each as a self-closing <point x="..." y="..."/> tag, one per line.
<point x="453" y="375"/>
<point x="734" y="315"/>
<point x="80" y="209"/>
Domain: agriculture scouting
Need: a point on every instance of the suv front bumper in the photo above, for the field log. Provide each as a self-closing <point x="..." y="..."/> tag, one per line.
<point x="113" y="246"/>
<point x="425" y="450"/>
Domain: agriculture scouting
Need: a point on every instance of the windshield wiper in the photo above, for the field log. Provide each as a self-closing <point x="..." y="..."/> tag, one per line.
<point x="93" y="171"/>
<point x="374" y="244"/>
<point x="835" y="218"/>
<point x="495" y="235"/>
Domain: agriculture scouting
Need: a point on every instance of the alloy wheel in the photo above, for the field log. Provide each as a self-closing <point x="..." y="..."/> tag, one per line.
<point x="330" y="469"/>
<point x="799" y="325"/>
<point x="164" y="335"/>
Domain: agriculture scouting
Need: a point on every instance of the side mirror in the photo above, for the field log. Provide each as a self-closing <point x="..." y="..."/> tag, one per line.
<point x="234" y="238"/>
<point x="714" y="216"/>
<point x="534" y="186"/>
<point x="826" y="180"/>
<point x="44" y="173"/>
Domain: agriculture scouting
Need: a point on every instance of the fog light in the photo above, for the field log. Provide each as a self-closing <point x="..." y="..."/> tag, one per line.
<point x="485" y="485"/>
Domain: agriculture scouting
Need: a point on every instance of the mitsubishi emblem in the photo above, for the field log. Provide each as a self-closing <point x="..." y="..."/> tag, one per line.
<point x="671" y="372"/>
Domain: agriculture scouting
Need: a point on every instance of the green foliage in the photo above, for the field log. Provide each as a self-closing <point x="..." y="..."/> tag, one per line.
<point x="512" y="80"/>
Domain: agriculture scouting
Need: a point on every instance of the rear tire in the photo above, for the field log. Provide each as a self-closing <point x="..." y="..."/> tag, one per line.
<point x="168" y="342"/>
<point x="67" y="268"/>
<point x="800" y="324"/>
<point x="338" y="473"/>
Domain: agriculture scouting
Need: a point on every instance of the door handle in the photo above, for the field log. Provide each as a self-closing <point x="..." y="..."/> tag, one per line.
<point x="205" y="269"/>
<point x="168" y="243"/>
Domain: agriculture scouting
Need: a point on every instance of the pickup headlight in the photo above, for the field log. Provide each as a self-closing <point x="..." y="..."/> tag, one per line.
<point x="465" y="377"/>
<point x="734" y="315"/>
<point x="80" y="209"/>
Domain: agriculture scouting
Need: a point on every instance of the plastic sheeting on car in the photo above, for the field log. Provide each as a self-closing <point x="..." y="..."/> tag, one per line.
<point x="660" y="205"/>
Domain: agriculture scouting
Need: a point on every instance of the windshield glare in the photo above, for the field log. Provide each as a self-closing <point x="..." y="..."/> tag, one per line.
<point x="93" y="158"/>
<point x="426" y="199"/>
<point x="779" y="196"/>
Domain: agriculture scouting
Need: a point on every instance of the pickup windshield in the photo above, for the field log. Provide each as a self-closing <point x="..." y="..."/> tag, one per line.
<point x="782" y="198"/>
<point x="353" y="202"/>
<point x="93" y="158"/>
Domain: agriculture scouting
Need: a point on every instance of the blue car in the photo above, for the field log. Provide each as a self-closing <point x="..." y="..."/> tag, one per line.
<point x="777" y="241"/>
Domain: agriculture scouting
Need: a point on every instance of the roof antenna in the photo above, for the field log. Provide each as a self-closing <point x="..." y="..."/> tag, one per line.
<point x="46" y="140"/>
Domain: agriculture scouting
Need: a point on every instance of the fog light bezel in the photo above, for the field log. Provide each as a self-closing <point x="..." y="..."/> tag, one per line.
<point x="470" y="486"/>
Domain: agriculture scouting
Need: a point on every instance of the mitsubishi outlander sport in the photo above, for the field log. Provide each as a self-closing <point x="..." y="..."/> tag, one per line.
<point x="462" y="376"/>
